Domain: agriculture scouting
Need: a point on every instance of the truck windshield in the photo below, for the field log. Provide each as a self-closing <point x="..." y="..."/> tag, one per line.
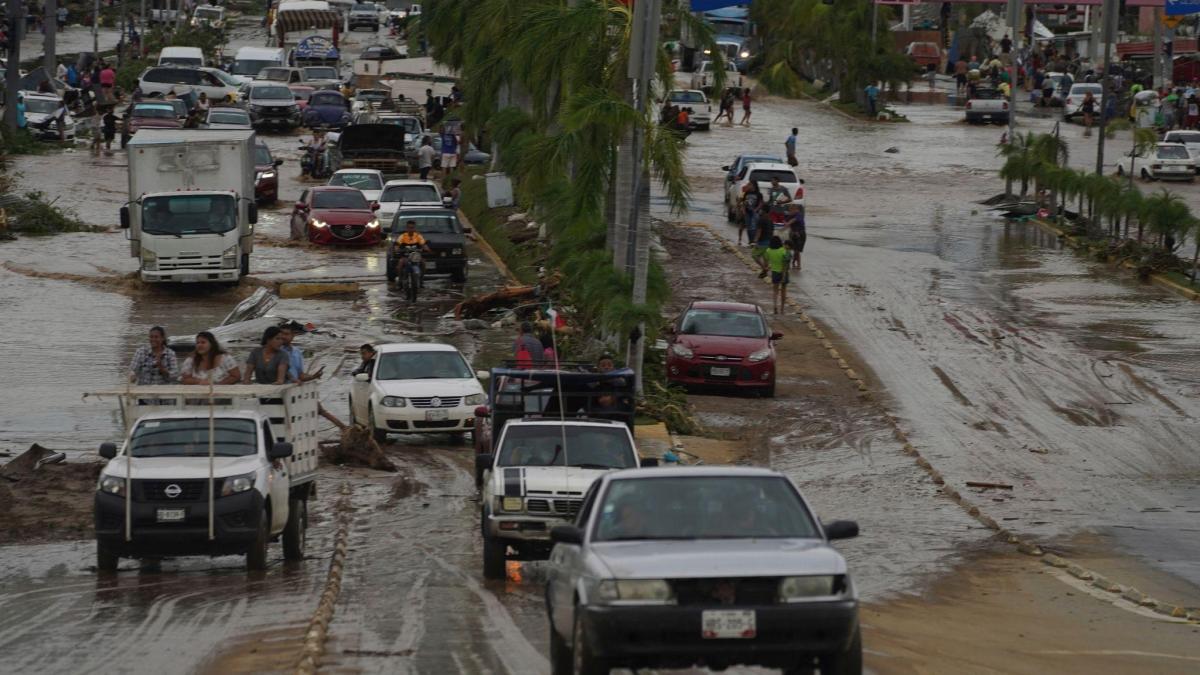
<point x="703" y="507"/>
<point x="251" y="67"/>
<point x="211" y="13"/>
<point x="587" y="446"/>
<point x="189" y="438"/>
<point x="189" y="214"/>
<point x="423" y="366"/>
<point x="320" y="73"/>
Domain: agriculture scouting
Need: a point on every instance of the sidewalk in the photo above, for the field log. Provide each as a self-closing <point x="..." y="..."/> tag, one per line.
<point x="74" y="40"/>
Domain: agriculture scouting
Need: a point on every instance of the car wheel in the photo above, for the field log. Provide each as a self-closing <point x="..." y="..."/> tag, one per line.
<point x="494" y="554"/>
<point x="245" y="264"/>
<point x="380" y="435"/>
<point x="561" y="659"/>
<point x="296" y="531"/>
<point x="106" y="560"/>
<point x="1120" y="170"/>
<point x="848" y="662"/>
<point x="585" y="663"/>
<point x="1146" y="175"/>
<point x="770" y="393"/>
<point x="256" y="557"/>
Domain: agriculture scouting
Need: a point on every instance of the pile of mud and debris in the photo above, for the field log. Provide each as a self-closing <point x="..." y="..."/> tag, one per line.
<point x="44" y="498"/>
<point x="356" y="447"/>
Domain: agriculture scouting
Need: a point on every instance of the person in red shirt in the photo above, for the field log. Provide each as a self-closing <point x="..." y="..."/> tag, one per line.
<point x="745" y="107"/>
<point x="108" y="79"/>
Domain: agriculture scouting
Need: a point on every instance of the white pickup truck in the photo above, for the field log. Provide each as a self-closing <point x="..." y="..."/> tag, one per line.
<point x="208" y="472"/>
<point x="987" y="105"/>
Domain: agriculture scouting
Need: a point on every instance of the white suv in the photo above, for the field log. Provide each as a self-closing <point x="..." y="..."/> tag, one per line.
<point x="417" y="387"/>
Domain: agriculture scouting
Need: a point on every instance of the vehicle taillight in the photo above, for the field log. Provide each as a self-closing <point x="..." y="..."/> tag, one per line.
<point x="1004" y="105"/>
<point x="968" y="105"/>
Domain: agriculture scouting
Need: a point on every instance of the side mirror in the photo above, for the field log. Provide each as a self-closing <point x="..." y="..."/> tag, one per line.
<point x="482" y="411"/>
<point x="725" y="168"/>
<point x="280" y="450"/>
<point x="362" y="377"/>
<point x="776" y="336"/>
<point x="108" y="450"/>
<point x="648" y="461"/>
<point x="301" y="206"/>
<point x="374" y="206"/>
<point x="252" y="213"/>
<point x="483" y="374"/>
<point x="278" y="162"/>
<point x="124" y="217"/>
<point x="566" y="534"/>
<point x="446" y="201"/>
<point x="483" y="462"/>
<point x="841" y="529"/>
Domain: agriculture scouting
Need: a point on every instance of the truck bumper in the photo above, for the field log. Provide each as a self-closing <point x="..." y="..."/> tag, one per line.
<point x="235" y="525"/>
<point x="190" y="276"/>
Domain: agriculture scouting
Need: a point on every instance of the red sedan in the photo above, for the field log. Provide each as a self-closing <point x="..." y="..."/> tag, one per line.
<point x="723" y="344"/>
<point x="336" y="215"/>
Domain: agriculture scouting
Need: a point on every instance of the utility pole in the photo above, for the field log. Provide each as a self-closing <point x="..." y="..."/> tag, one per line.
<point x="96" y="29"/>
<point x="643" y="53"/>
<point x="874" y="22"/>
<point x="12" y="74"/>
<point x="1110" y="16"/>
<point x="50" y="23"/>
<point x="1158" y="50"/>
<point x="1014" y="27"/>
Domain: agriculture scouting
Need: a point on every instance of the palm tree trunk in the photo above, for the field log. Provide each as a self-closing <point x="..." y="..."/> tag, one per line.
<point x="1139" y="230"/>
<point x="1195" y="259"/>
<point x="1127" y="217"/>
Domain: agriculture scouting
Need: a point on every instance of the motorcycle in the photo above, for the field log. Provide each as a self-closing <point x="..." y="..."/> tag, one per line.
<point x="410" y="272"/>
<point x="312" y="162"/>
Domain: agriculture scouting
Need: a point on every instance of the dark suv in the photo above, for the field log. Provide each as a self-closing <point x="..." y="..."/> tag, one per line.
<point x="443" y="233"/>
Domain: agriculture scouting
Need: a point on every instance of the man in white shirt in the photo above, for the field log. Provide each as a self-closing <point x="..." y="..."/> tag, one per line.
<point x="425" y="158"/>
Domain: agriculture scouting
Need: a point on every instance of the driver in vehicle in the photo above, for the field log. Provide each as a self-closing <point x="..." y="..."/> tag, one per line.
<point x="220" y="218"/>
<point x="626" y="521"/>
<point x="158" y="216"/>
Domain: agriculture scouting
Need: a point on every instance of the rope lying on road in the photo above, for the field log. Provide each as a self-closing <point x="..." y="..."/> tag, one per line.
<point x="318" y="626"/>
<point x="1028" y="547"/>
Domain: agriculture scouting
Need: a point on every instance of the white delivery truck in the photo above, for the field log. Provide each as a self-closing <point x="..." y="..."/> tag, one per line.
<point x="220" y="471"/>
<point x="191" y="209"/>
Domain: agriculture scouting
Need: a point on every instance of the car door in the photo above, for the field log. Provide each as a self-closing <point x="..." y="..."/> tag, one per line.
<point x="278" y="482"/>
<point x="566" y="565"/>
<point x="360" y="397"/>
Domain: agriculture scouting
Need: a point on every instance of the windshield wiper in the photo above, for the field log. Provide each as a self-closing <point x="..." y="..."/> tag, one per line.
<point x="595" y="466"/>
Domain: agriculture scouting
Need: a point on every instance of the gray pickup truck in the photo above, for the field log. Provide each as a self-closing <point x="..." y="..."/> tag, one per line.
<point x="987" y="105"/>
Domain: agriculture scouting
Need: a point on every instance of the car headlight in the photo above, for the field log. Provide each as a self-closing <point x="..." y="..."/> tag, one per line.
<point x="475" y="399"/>
<point x="393" y="402"/>
<point x="760" y="355"/>
<point x="745" y="55"/>
<point x="374" y="224"/>
<point x="237" y="484"/>
<point x="264" y="175"/>
<point x="319" y="224"/>
<point x="112" y="485"/>
<point x="512" y="504"/>
<point x="681" y="351"/>
<point x="229" y="257"/>
<point x="149" y="259"/>
<point x="799" y="589"/>
<point x="635" y="591"/>
<point x="294" y="108"/>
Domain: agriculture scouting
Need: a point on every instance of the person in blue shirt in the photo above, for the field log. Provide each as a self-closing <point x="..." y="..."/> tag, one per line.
<point x="294" y="355"/>
<point x="872" y="100"/>
<point x="449" y="152"/>
<point x="20" y="111"/>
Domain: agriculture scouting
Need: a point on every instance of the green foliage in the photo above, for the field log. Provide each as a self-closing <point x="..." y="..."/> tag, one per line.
<point x="34" y="215"/>
<point x="21" y="142"/>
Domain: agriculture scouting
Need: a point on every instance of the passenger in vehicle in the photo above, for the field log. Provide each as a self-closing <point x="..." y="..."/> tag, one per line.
<point x="154" y="363"/>
<point x="267" y="364"/>
<point x="209" y="363"/>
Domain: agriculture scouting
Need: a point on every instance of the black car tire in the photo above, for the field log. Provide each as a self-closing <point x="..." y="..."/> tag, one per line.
<point x="584" y="662"/>
<point x="494" y="556"/>
<point x="256" y="557"/>
<point x="380" y="435"/>
<point x="848" y="662"/>
<point x="391" y="269"/>
<point x="106" y="560"/>
<point x="459" y="276"/>
<point x="770" y="393"/>
<point x="561" y="658"/>
<point x="295" y="532"/>
<point x="1146" y="175"/>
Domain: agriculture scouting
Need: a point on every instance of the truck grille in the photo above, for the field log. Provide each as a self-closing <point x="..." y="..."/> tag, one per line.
<point x="735" y="592"/>
<point x="560" y="507"/>
<point x="537" y="506"/>
<point x="190" y="262"/>
<point x="436" y="402"/>
<point x="157" y="490"/>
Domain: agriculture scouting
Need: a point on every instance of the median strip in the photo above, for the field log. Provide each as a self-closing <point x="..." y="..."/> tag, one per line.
<point x="318" y="625"/>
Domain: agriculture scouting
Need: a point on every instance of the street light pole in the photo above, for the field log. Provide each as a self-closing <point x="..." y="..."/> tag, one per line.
<point x="874" y="22"/>
<point x="1110" y="31"/>
<point x="50" y="26"/>
<point x="12" y="74"/>
<point x="1014" y="25"/>
<point x="96" y="29"/>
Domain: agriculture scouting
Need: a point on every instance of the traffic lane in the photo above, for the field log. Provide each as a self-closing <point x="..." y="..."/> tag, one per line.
<point x="949" y="304"/>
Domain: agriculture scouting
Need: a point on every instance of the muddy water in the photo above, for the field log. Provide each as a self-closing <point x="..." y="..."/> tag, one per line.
<point x="1010" y="360"/>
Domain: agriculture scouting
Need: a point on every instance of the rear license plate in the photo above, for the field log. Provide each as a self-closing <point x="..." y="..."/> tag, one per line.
<point x="726" y="624"/>
<point x="171" y="515"/>
<point x="435" y="415"/>
<point x="720" y="372"/>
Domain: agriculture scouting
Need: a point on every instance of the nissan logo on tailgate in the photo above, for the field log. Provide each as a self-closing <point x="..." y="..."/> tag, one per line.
<point x="172" y="491"/>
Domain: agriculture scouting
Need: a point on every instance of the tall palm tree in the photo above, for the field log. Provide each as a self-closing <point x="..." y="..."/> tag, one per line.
<point x="1167" y="215"/>
<point x="1020" y="161"/>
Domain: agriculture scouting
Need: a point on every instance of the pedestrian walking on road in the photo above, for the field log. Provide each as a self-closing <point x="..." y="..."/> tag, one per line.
<point x="776" y="258"/>
<point x="790" y="146"/>
<point x="872" y="92"/>
<point x="526" y="348"/>
<point x="766" y="231"/>
<point x="1088" y="108"/>
<point x="960" y="76"/>
<point x="450" y="144"/>
<point x="267" y="364"/>
<point x="752" y="205"/>
<point x="797" y="232"/>
<point x="745" y="107"/>
<point x="154" y="363"/>
<point x="209" y="364"/>
<point x="109" y="122"/>
<point x="425" y="158"/>
<point x="726" y="110"/>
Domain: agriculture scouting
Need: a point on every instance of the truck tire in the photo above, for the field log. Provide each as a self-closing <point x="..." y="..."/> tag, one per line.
<point x="106" y="560"/>
<point x="295" y="533"/>
<point x="848" y="662"/>
<point x="380" y="435"/>
<point x="245" y="264"/>
<point x="493" y="557"/>
<point x="256" y="557"/>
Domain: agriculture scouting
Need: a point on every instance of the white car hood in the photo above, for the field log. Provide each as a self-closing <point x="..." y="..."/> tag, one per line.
<point x="423" y="388"/>
<point x="182" y="468"/>
<point x="551" y="479"/>
<point x="707" y="558"/>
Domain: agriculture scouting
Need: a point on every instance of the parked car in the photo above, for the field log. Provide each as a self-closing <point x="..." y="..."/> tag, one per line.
<point x="723" y="344"/>
<point x="165" y="79"/>
<point x="1164" y="161"/>
<point x="417" y="387"/>
<point x="272" y="105"/>
<point x="337" y="215"/>
<point x="266" y="175"/>
<point x="762" y="173"/>
<point x="732" y="170"/>
<point x="925" y="56"/>
<point x="150" y="116"/>
<point x="713" y="566"/>
<point x="702" y="78"/>
<point x="379" y="53"/>
<point x="326" y="110"/>
<point x="1073" y="105"/>
<point x="212" y="16"/>
<point x="322" y="77"/>
<point x="407" y="192"/>
<point x="1190" y="139"/>
<point x="986" y="105"/>
<point x="701" y="109"/>
<point x="227" y="118"/>
<point x="41" y="107"/>
<point x="363" y="15"/>
<point x="443" y="233"/>
<point x="371" y="99"/>
<point x="367" y="181"/>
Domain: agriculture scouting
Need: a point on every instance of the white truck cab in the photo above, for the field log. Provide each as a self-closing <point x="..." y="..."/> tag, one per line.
<point x="170" y="491"/>
<point x="536" y="480"/>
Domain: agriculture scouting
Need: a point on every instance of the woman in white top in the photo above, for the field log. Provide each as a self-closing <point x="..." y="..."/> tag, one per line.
<point x="209" y="363"/>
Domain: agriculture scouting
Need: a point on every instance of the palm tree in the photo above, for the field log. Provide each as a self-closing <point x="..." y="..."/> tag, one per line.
<point x="1167" y="215"/>
<point x="1143" y="140"/>
<point x="1020" y="161"/>
<point x="1131" y="204"/>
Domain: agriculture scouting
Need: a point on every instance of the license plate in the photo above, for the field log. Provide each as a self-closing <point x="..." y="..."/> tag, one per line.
<point x="189" y="278"/>
<point x="171" y="515"/>
<point x="720" y="372"/>
<point x="726" y="624"/>
<point x="435" y="415"/>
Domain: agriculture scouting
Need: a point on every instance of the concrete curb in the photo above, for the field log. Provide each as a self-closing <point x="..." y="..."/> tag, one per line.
<point x="318" y="625"/>
<point x="1023" y="546"/>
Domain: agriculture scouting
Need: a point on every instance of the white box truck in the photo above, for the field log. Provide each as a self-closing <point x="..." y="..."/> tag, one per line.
<point x="220" y="471"/>
<point x="191" y="209"/>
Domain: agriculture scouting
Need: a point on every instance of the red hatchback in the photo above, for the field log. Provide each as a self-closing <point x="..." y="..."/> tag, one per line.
<point x="724" y="344"/>
<point x="337" y="215"/>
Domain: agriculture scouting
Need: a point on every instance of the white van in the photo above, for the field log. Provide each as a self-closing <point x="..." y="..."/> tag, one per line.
<point x="250" y="60"/>
<point x="181" y="56"/>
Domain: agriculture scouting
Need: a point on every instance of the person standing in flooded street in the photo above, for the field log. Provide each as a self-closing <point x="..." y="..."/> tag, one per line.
<point x="154" y="363"/>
